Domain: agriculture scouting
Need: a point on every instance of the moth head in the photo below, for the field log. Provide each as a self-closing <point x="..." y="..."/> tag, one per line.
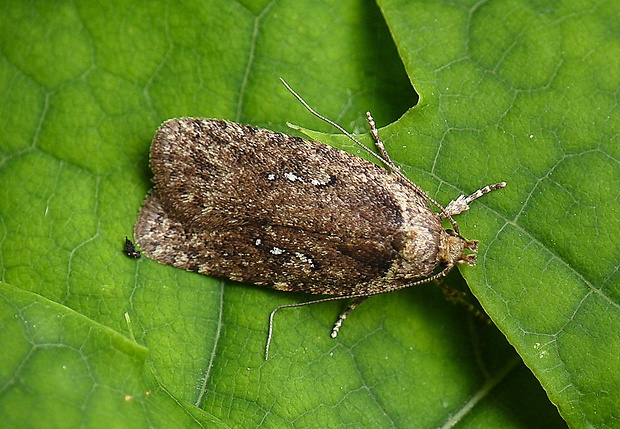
<point x="455" y="249"/>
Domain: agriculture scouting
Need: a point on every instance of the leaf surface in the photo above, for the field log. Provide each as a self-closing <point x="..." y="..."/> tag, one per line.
<point x="508" y="90"/>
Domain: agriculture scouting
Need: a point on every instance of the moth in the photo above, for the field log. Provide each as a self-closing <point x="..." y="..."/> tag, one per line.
<point x="266" y="208"/>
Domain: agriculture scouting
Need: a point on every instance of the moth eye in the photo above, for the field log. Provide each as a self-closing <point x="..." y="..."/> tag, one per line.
<point x="451" y="232"/>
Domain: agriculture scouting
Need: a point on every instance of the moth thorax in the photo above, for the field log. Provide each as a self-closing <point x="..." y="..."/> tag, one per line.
<point x="455" y="249"/>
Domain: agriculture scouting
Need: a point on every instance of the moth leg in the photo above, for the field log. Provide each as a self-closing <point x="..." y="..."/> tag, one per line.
<point x="302" y="304"/>
<point x="461" y="204"/>
<point x="378" y="143"/>
<point x="460" y="298"/>
<point x="338" y="324"/>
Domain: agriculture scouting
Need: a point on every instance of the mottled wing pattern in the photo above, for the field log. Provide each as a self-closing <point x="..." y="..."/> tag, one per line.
<point x="263" y="207"/>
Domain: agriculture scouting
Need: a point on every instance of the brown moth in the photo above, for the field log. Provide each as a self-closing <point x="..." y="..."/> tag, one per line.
<point x="262" y="207"/>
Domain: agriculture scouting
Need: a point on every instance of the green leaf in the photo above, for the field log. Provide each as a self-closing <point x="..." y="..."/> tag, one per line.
<point x="60" y="369"/>
<point x="514" y="91"/>
<point x="528" y="95"/>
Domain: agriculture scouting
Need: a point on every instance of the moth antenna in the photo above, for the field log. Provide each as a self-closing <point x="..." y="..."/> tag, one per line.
<point x="335" y="125"/>
<point x="375" y="135"/>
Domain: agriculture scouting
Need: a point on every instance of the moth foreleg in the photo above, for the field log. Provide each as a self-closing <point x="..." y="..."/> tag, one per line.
<point x="345" y="314"/>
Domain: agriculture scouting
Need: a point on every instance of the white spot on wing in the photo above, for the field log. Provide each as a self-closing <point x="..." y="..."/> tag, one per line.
<point x="293" y="177"/>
